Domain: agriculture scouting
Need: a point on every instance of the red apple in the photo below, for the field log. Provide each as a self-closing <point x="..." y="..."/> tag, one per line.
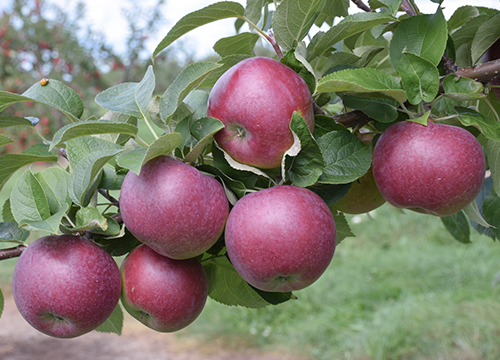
<point x="281" y="238"/>
<point x="173" y="208"/>
<point x="255" y="99"/>
<point x="435" y="169"/>
<point x="163" y="294"/>
<point x="491" y="54"/>
<point x="363" y="196"/>
<point x="65" y="286"/>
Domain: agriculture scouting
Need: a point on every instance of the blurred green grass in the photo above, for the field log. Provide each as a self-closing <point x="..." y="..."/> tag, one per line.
<point x="402" y="289"/>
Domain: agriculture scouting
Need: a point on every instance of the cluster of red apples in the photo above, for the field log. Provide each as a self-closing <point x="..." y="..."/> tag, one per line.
<point x="279" y="239"/>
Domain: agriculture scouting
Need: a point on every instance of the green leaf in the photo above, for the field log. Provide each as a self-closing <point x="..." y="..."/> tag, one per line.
<point x="10" y="120"/>
<point x="129" y="98"/>
<point x="211" y="13"/>
<point x="50" y="225"/>
<point x="304" y="167"/>
<point x="11" y="232"/>
<point x="28" y="200"/>
<point x="422" y="35"/>
<point x="461" y="16"/>
<point x="91" y="127"/>
<point x="365" y="80"/>
<point x="486" y="35"/>
<point x="113" y="229"/>
<point x="7" y="212"/>
<point x="346" y="157"/>
<point x="491" y="212"/>
<point x="234" y="189"/>
<point x="470" y="117"/>
<point x="203" y="130"/>
<point x="473" y="213"/>
<point x="393" y="5"/>
<point x="164" y="145"/>
<point x="274" y="298"/>
<point x="228" y="287"/>
<point x="78" y="148"/>
<point x="118" y="245"/>
<point x="54" y="94"/>
<point x="197" y="100"/>
<point x="330" y="193"/>
<point x="492" y="150"/>
<point x="381" y="109"/>
<point x="85" y="174"/>
<point x="462" y="89"/>
<point x="154" y="113"/>
<point x="463" y="37"/>
<point x="367" y="53"/>
<point x="342" y="227"/>
<point x="4" y="140"/>
<point x="237" y="165"/>
<point x="349" y="26"/>
<point x="226" y="63"/>
<point x="113" y="324"/>
<point x="420" y="78"/>
<point x="296" y="59"/>
<point x="89" y="218"/>
<point x="253" y="9"/>
<point x="337" y="8"/>
<point x="10" y="163"/>
<point x="293" y="20"/>
<point x="248" y="178"/>
<point x="186" y="81"/>
<point x="55" y="183"/>
<point x="242" y="43"/>
<point x="458" y="226"/>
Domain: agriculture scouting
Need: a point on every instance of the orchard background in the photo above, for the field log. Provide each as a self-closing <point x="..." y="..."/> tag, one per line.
<point x="400" y="286"/>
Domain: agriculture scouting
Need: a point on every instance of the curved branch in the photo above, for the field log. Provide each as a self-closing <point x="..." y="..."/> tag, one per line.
<point x="12" y="252"/>
<point x="483" y="72"/>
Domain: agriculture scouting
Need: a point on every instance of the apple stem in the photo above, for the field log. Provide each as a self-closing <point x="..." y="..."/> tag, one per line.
<point x="272" y="40"/>
<point x="12" y="252"/>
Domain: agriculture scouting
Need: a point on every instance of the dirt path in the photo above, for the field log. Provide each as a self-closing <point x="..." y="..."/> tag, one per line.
<point x="19" y="341"/>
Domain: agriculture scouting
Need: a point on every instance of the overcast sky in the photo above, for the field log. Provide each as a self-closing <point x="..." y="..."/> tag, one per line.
<point x="106" y="16"/>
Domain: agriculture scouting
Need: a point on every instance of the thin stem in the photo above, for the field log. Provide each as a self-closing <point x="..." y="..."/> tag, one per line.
<point x="41" y="136"/>
<point x="149" y="126"/>
<point x="12" y="252"/>
<point x="141" y="141"/>
<point x="360" y="4"/>
<point x="111" y="199"/>
<point x="412" y="116"/>
<point x="270" y="38"/>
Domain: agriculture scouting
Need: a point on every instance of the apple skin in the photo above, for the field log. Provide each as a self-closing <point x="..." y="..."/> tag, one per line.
<point x="436" y="169"/>
<point x="491" y="54"/>
<point x="65" y="286"/>
<point x="173" y="208"/>
<point x="255" y="99"/>
<point x="280" y="239"/>
<point x="363" y="196"/>
<point x="164" y="294"/>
